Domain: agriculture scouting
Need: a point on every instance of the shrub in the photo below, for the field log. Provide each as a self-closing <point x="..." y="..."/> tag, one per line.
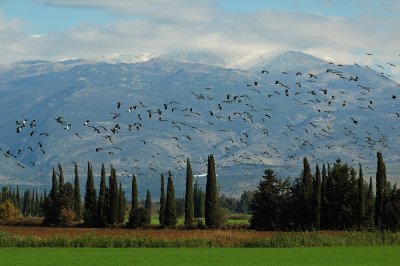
<point x="200" y="223"/>
<point x="8" y="210"/>
<point x="67" y="217"/>
<point x="137" y="218"/>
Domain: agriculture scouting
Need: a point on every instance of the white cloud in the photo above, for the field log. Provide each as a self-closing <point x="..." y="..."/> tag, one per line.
<point x="230" y="35"/>
<point x="170" y="10"/>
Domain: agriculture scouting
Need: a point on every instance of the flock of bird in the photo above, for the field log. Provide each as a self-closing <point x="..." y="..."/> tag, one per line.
<point x="242" y="123"/>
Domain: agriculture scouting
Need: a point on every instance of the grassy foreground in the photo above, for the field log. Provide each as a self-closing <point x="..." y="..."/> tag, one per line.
<point x="367" y="255"/>
<point x="231" y="239"/>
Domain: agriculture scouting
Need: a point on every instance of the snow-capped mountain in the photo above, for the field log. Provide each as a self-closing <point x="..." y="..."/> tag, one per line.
<point x="146" y="116"/>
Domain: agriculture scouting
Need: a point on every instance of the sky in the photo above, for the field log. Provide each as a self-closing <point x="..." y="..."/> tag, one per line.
<point x="58" y="29"/>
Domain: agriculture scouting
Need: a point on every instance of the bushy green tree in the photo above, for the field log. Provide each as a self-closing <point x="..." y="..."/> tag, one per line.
<point x="137" y="218"/>
<point x="269" y="201"/>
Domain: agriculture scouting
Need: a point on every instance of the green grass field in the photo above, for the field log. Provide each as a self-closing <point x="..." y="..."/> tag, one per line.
<point x="370" y="255"/>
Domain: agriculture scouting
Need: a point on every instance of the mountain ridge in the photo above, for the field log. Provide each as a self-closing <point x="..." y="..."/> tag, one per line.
<point x="268" y="120"/>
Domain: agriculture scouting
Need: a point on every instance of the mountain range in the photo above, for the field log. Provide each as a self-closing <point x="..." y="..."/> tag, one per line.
<point x="146" y="115"/>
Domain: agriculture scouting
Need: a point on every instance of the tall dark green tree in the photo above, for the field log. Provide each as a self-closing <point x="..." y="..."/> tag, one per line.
<point x="324" y="181"/>
<point x="369" y="206"/>
<point x="138" y="215"/>
<point x="170" y="204"/>
<point x="60" y="178"/>
<point x="67" y="198"/>
<point x="381" y="185"/>
<point x="147" y="206"/>
<point x="317" y="199"/>
<point x="89" y="214"/>
<point x="77" y="196"/>
<point x="113" y="198"/>
<point x="162" y="201"/>
<point x="360" y="198"/>
<point x="189" y="205"/>
<point x="302" y="198"/>
<point x="51" y="207"/>
<point x="135" y="201"/>
<point x="18" y="199"/>
<point x="101" y="200"/>
<point x="212" y="210"/>
<point x="26" y="204"/>
<point x="121" y="204"/>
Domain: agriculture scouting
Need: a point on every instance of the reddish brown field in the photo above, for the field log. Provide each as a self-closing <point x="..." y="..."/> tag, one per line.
<point x="31" y="227"/>
<point x="43" y="232"/>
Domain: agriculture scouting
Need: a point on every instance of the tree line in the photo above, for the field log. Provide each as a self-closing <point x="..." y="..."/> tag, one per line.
<point x="334" y="198"/>
<point x="12" y="203"/>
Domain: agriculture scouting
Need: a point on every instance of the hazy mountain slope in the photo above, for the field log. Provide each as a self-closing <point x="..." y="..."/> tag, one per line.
<point x="301" y="106"/>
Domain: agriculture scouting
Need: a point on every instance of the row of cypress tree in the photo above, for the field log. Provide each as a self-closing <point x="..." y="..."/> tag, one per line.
<point x="194" y="199"/>
<point x="63" y="204"/>
<point x="332" y="199"/>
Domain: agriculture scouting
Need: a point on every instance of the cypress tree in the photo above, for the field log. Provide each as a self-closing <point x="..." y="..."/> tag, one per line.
<point x="54" y="187"/>
<point x="32" y="206"/>
<point x="121" y="204"/>
<point x="381" y="183"/>
<point x="170" y="204"/>
<point x="61" y="178"/>
<point x="50" y="205"/>
<point x="198" y="200"/>
<point x="307" y="179"/>
<point x="370" y="206"/>
<point x="90" y="210"/>
<point x="67" y="199"/>
<point x="189" y="205"/>
<point x="360" y="198"/>
<point x="162" y="201"/>
<point x="18" y="199"/>
<point x="212" y="217"/>
<point x="41" y="202"/>
<point x="26" y="203"/>
<point x="113" y="203"/>
<point x="101" y="200"/>
<point x="147" y="206"/>
<point x="317" y="199"/>
<point x="77" y="196"/>
<point x="307" y="189"/>
<point x="323" y="196"/>
<point x="135" y="202"/>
